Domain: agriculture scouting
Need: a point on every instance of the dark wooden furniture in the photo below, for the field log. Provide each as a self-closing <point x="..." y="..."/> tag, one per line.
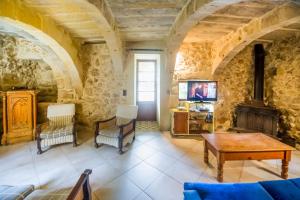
<point x="255" y="118"/>
<point x="19" y="116"/>
<point x="124" y="130"/>
<point x="82" y="189"/>
<point x="46" y="125"/>
<point x="59" y="129"/>
<point x="245" y="146"/>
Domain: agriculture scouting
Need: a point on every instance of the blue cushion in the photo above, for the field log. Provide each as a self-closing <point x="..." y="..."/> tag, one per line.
<point x="232" y="191"/>
<point x="191" y="195"/>
<point x="282" y="189"/>
<point x="296" y="181"/>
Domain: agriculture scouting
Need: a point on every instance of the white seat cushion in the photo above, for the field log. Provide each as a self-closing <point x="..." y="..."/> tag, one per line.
<point x="112" y="132"/>
<point x="51" y="132"/>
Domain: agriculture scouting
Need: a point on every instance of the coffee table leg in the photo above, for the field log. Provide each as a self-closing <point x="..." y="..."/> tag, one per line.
<point x="221" y="162"/>
<point x="205" y="152"/>
<point x="284" y="169"/>
<point x="285" y="164"/>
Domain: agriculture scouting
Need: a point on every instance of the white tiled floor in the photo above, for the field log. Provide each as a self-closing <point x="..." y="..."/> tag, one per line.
<point x="155" y="166"/>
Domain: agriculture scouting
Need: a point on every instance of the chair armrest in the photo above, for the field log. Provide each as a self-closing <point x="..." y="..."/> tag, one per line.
<point x="102" y="123"/>
<point x="106" y="120"/>
<point x="126" y="129"/>
<point x="39" y="128"/>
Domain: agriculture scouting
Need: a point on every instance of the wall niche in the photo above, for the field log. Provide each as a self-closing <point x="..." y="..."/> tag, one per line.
<point x="281" y="87"/>
<point x="20" y="71"/>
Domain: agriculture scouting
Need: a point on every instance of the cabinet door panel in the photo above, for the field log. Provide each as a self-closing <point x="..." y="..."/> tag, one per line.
<point x="181" y="122"/>
<point x="19" y="113"/>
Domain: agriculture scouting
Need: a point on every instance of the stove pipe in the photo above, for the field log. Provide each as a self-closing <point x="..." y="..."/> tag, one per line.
<point x="259" y="63"/>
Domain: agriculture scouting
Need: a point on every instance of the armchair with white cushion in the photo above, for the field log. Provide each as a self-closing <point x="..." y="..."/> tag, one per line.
<point x="119" y="130"/>
<point x="59" y="129"/>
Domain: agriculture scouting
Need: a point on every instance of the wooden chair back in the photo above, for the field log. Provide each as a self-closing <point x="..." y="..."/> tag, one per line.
<point x="82" y="189"/>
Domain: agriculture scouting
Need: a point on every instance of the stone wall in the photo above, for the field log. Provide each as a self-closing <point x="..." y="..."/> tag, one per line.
<point x="235" y="80"/>
<point x="282" y="84"/>
<point x="24" y="73"/>
<point x="235" y="85"/>
<point x="194" y="61"/>
<point x="21" y="69"/>
<point x="102" y="86"/>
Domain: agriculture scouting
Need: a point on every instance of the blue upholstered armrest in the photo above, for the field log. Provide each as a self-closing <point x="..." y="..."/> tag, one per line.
<point x="229" y="191"/>
<point x="191" y="195"/>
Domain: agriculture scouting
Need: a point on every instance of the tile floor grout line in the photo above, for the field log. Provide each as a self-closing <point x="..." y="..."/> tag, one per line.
<point x="143" y="190"/>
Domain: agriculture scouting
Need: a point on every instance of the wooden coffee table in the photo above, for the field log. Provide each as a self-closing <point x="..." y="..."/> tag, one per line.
<point x="245" y="146"/>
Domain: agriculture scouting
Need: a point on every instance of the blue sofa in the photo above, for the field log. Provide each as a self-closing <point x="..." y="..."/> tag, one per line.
<point x="264" y="190"/>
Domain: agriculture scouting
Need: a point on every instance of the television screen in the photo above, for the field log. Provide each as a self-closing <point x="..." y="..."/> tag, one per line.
<point x="202" y="91"/>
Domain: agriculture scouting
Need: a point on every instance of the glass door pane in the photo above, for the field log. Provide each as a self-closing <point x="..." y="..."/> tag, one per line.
<point x="146" y="81"/>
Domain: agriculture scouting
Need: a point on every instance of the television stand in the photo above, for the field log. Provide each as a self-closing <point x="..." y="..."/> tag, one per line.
<point x="196" y="119"/>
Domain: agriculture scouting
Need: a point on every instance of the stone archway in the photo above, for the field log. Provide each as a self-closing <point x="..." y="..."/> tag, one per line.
<point x="49" y="53"/>
<point x="193" y="12"/>
<point x="273" y="18"/>
<point x="58" y="48"/>
<point x="220" y="63"/>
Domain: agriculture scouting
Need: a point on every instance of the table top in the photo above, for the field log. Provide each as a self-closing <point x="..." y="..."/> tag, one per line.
<point x="245" y="142"/>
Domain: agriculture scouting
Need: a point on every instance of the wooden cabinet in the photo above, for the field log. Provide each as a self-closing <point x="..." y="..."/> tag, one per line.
<point x="181" y="122"/>
<point x="19" y="116"/>
<point x="197" y="118"/>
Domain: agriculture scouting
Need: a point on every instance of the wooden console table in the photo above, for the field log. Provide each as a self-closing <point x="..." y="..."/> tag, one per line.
<point x="192" y="121"/>
<point x="245" y="146"/>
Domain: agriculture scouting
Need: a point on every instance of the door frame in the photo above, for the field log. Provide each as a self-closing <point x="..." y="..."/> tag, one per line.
<point x="155" y="81"/>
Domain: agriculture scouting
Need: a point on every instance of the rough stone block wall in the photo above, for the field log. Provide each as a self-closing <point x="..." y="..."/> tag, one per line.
<point x="102" y="86"/>
<point x="194" y="61"/>
<point x="235" y="85"/>
<point x="282" y="83"/>
<point x="25" y="72"/>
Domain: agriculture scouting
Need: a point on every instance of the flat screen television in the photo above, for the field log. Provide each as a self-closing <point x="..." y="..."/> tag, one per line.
<point x="198" y="90"/>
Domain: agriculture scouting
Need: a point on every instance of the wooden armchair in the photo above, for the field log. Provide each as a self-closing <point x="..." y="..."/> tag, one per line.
<point x="59" y="129"/>
<point x="82" y="189"/>
<point x="119" y="130"/>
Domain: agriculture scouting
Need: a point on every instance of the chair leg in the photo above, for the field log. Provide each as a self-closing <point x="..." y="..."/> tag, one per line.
<point x="39" y="146"/>
<point x="39" y="152"/>
<point x="121" y="145"/>
<point x="121" y="151"/>
<point x="97" y="145"/>
<point x="75" y="144"/>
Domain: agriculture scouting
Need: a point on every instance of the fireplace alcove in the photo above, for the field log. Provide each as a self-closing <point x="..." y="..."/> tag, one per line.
<point x="255" y="116"/>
